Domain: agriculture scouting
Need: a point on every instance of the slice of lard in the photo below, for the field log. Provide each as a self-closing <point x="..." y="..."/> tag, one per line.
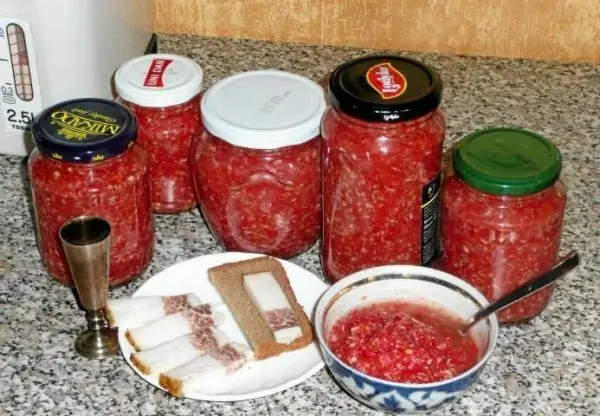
<point x="200" y="373"/>
<point x="178" y="351"/>
<point x="135" y="312"/>
<point x="165" y="329"/>
<point x="269" y="298"/>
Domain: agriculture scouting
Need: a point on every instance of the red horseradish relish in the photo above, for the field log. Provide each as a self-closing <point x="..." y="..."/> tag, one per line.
<point x="257" y="166"/>
<point x="66" y="183"/>
<point x="260" y="201"/>
<point x="163" y="91"/>
<point x="382" y="160"/>
<point x="403" y="342"/>
<point x="498" y="241"/>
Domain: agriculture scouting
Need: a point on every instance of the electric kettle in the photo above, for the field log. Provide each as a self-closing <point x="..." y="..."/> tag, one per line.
<point x="56" y="50"/>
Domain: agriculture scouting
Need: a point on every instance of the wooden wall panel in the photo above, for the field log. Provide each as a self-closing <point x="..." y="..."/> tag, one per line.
<point x="567" y="30"/>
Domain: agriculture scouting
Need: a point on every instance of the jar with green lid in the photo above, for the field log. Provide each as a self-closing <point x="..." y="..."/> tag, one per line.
<point x="502" y="214"/>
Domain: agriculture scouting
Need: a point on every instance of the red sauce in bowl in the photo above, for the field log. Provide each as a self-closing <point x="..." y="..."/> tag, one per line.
<point x="403" y="342"/>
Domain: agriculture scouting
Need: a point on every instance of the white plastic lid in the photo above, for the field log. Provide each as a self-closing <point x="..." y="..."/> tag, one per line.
<point x="159" y="80"/>
<point x="265" y="109"/>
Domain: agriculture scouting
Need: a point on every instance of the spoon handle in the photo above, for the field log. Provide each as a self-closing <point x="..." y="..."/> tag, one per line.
<point x="568" y="263"/>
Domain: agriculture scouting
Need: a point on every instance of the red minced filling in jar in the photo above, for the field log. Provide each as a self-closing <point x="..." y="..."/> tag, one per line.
<point x="497" y="259"/>
<point x="502" y="215"/>
<point x="260" y="202"/>
<point x="167" y="134"/>
<point x="403" y="342"/>
<point x="373" y="208"/>
<point x="163" y="91"/>
<point x="382" y="159"/>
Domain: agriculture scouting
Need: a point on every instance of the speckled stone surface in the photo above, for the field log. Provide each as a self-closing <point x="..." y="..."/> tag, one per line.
<point x="550" y="366"/>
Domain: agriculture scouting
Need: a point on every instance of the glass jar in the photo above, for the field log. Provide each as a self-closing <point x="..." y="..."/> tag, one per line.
<point x="85" y="163"/>
<point x="502" y="215"/>
<point x="163" y="91"/>
<point x="257" y="165"/>
<point x="382" y="161"/>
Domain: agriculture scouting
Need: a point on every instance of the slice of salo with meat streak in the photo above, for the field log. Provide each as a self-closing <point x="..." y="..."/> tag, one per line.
<point x="135" y="312"/>
<point x="186" y="322"/>
<point x="178" y="351"/>
<point x="201" y="372"/>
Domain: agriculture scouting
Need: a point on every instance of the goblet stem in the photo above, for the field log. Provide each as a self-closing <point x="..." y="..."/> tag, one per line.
<point x="95" y="319"/>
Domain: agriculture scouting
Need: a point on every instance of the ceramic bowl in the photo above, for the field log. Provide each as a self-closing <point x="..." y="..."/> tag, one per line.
<point x="403" y="283"/>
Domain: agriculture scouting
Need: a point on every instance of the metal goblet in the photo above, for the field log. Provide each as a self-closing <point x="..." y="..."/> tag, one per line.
<point x="86" y="243"/>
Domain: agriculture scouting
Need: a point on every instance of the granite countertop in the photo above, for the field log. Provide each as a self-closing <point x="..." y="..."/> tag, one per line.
<point x="550" y="366"/>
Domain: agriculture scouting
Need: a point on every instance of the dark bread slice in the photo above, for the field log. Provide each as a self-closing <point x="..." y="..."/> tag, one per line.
<point x="228" y="279"/>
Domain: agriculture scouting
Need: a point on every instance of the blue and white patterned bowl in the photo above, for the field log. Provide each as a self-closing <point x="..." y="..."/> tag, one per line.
<point x="403" y="283"/>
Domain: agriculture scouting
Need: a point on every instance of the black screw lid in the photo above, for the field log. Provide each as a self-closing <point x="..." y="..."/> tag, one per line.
<point x="84" y="130"/>
<point x="385" y="88"/>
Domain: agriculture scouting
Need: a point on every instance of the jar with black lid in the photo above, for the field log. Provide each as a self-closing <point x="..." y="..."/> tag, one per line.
<point x="382" y="162"/>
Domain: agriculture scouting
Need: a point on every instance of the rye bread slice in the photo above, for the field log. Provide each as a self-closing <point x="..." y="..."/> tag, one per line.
<point x="228" y="279"/>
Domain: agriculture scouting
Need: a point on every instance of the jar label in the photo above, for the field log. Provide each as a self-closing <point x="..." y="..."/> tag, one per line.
<point x="154" y="77"/>
<point x="386" y="80"/>
<point x="430" y="220"/>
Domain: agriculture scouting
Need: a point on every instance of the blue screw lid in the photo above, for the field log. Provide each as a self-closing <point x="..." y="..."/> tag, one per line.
<point x="84" y="130"/>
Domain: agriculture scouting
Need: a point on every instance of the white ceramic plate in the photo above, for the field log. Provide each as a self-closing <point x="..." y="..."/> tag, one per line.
<point x="256" y="378"/>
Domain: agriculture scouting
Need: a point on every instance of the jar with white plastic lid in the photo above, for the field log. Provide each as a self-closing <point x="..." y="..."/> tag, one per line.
<point x="163" y="91"/>
<point x="257" y="164"/>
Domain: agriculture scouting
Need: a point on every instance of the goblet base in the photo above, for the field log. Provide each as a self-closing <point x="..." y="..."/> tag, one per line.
<point x="97" y="344"/>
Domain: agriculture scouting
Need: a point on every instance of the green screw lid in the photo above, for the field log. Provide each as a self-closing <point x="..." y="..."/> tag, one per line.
<point x="507" y="161"/>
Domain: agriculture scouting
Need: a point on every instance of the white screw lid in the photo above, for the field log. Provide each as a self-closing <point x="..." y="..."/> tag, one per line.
<point x="265" y="109"/>
<point x="159" y="80"/>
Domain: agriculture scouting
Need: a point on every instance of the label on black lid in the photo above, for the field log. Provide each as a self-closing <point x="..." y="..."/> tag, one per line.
<point x="430" y="220"/>
<point x="84" y="130"/>
<point x="80" y="124"/>
<point x="385" y="88"/>
<point x="386" y="80"/>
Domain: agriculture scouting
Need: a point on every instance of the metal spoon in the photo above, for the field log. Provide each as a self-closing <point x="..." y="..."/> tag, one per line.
<point x="568" y="263"/>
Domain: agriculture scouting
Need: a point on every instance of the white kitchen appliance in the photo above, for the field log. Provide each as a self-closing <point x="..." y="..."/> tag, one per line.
<point x="56" y="50"/>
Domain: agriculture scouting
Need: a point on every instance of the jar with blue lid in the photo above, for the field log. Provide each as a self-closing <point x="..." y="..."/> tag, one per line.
<point x="86" y="163"/>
